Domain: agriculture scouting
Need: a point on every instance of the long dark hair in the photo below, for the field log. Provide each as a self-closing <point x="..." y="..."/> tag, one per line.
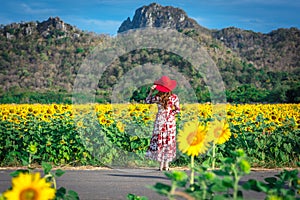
<point x="164" y="98"/>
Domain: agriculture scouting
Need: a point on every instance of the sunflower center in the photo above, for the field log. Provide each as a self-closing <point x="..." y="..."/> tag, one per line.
<point x="29" y="194"/>
<point x="217" y="132"/>
<point x="194" y="138"/>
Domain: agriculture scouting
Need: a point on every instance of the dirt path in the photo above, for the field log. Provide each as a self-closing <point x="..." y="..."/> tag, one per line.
<point x="104" y="183"/>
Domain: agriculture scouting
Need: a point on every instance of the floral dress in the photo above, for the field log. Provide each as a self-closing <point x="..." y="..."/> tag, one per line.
<point x="163" y="141"/>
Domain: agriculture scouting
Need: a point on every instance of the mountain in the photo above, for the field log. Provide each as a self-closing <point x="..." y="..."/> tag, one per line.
<point x="39" y="60"/>
<point x="156" y="15"/>
<point x="278" y="50"/>
<point x="40" y="56"/>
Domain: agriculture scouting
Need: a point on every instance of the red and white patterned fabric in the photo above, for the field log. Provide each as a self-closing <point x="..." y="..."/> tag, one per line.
<point x="163" y="141"/>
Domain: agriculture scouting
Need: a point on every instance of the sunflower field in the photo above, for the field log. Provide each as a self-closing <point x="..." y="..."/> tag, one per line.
<point x="98" y="134"/>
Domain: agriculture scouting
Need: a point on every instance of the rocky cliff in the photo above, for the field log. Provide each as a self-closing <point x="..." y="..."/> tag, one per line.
<point x="156" y="15"/>
<point x="48" y="28"/>
<point x="278" y="50"/>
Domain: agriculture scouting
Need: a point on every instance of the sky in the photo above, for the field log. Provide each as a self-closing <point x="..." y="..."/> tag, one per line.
<point x="106" y="16"/>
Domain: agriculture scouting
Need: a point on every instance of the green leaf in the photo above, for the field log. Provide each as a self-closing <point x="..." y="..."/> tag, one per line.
<point x="177" y="175"/>
<point x="18" y="172"/>
<point x="133" y="138"/>
<point x="209" y="176"/>
<point x="161" y="188"/>
<point x="35" y="157"/>
<point x="287" y="147"/>
<point x="59" y="172"/>
<point x="263" y="155"/>
<point x="221" y="173"/>
<point x="72" y="195"/>
<point x="271" y="180"/>
<point x="240" y="153"/>
<point x="135" y="197"/>
<point x="283" y="156"/>
<point x="134" y="145"/>
<point x="228" y="160"/>
<point x="47" y="167"/>
<point x="245" y="166"/>
<point x="25" y="161"/>
<point x="60" y="193"/>
<point x="227" y="182"/>
<point x="247" y="186"/>
<point x="256" y="186"/>
<point x="279" y="139"/>
<point x="218" y="186"/>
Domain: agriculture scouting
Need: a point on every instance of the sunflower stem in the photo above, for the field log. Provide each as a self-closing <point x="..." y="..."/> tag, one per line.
<point x="54" y="183"/>
<point x="172" y="192"/>
<point x="52" y="179"/>
<point x="204" y="189"/>
<point x="236" y="182"/>
<point x="29" y="163"/>
<point x="192" y="173"/>
<point x="213" y="155"/>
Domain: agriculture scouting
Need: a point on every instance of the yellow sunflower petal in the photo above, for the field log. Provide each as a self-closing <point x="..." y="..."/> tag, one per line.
<point x="30" y="187"/>
<point x="225" y="134"/>
<point x="193" y="139"/>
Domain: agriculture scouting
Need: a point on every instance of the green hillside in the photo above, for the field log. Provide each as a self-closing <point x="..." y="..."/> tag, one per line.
<point x="39" y="61"/>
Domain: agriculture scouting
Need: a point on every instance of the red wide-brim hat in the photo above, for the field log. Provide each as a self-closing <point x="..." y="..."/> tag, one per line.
<point x="165" y="84"/>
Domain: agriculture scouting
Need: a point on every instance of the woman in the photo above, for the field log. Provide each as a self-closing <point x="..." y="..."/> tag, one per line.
<point x="163" y="142"/>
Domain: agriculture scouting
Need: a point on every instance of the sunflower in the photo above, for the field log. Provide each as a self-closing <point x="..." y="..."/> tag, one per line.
<point x="109" y="122"/>
<point x="215" y="130"/>
<point x="30" y="187"/>
<point x="32" y="148"/>
<point x="102" y="120"/>
<point x="121" y="127"/>
<point x="80" y="124"/>
<point x="192" y="139"/>
<point x="220" y="132"/>
<point x="225" y="135"/>
<point x="146" y="118"/>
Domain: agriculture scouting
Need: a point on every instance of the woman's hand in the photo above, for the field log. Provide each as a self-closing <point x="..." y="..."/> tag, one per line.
<point x="149" y="98"/>
<point x="153" y="87"/>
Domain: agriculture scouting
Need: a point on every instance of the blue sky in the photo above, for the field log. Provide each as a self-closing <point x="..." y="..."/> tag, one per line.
<point x="105" y="16"/>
